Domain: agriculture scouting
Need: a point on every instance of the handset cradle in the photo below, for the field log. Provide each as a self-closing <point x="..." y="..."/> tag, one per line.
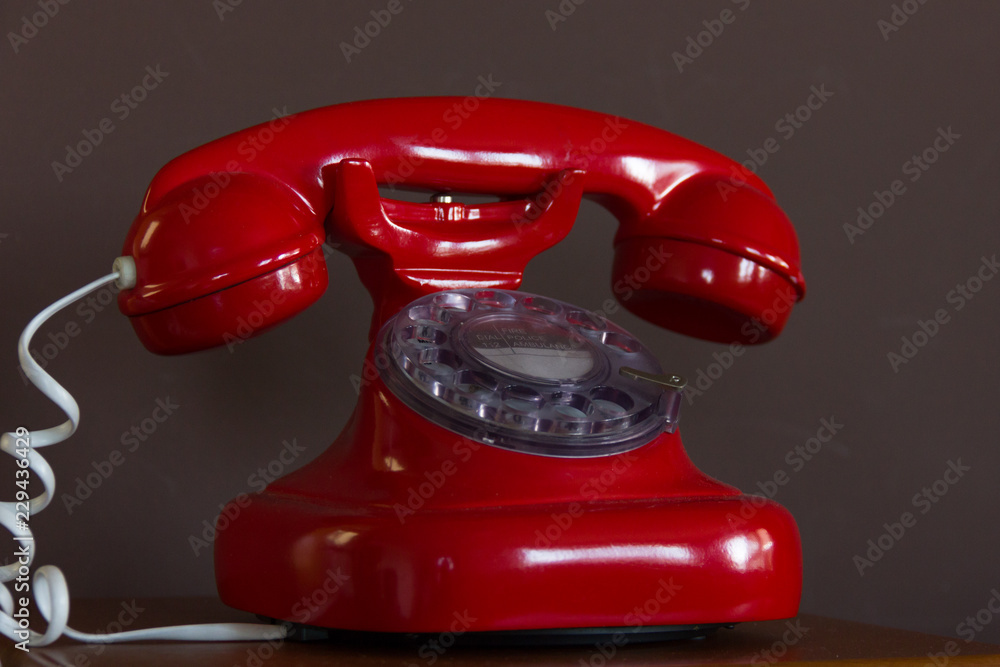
<point x="490" y="243"/>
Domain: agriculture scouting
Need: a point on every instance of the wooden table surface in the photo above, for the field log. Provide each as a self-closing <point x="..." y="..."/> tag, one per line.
<point x="809" y="639"/>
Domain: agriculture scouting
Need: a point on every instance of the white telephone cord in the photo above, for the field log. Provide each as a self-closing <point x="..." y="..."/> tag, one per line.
<point x="49" y="584"/>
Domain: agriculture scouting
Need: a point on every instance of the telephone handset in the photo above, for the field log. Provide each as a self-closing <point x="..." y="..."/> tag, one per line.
<point x="514" y="458"/>
<point x="233" y="221"/>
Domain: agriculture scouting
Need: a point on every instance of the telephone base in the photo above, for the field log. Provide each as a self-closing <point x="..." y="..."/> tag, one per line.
<point x="618" y="636"/>
<point x="686" y="563"/>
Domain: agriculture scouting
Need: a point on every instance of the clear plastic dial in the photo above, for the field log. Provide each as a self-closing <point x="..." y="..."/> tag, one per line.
<point x="524" y="372"/>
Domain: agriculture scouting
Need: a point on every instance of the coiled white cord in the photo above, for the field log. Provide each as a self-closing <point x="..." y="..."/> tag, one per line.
<point x="50" y="589"/>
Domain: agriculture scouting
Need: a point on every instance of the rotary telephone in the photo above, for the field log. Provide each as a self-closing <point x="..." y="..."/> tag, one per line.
<point x="512" y="459"/>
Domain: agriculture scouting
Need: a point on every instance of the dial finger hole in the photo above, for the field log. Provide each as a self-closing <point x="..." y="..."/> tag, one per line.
<point x="611" y="401"/>
<point x="541" y="305"/>
<point x="453" y="301"/>
<point x="437" y="364"/>
<point x="494" y="299"/>
<point x="585" y="320"/>
<point x="521" y="398"/>
<point x="570" y="405"/>
<point x="620" y="341"/>
<point x="525" y="422"/>
<point x="476" y="392"/>
<point x="426" y="315"/>
<point x="475" y="382"/>
<point x="423" y="334"/>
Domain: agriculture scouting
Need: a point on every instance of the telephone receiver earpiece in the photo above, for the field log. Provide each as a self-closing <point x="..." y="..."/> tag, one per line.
<point x="229" y="240"/>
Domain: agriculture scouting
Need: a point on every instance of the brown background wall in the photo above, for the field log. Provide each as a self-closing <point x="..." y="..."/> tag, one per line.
<point x="890" y="97"/>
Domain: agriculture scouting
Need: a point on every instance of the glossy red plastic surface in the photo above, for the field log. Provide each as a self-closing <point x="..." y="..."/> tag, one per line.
<point x="246" y="204"/>
<point x="401" y="524"/>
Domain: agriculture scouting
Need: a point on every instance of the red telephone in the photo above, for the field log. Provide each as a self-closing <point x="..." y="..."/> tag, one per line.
<point x="512" y="458"/>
